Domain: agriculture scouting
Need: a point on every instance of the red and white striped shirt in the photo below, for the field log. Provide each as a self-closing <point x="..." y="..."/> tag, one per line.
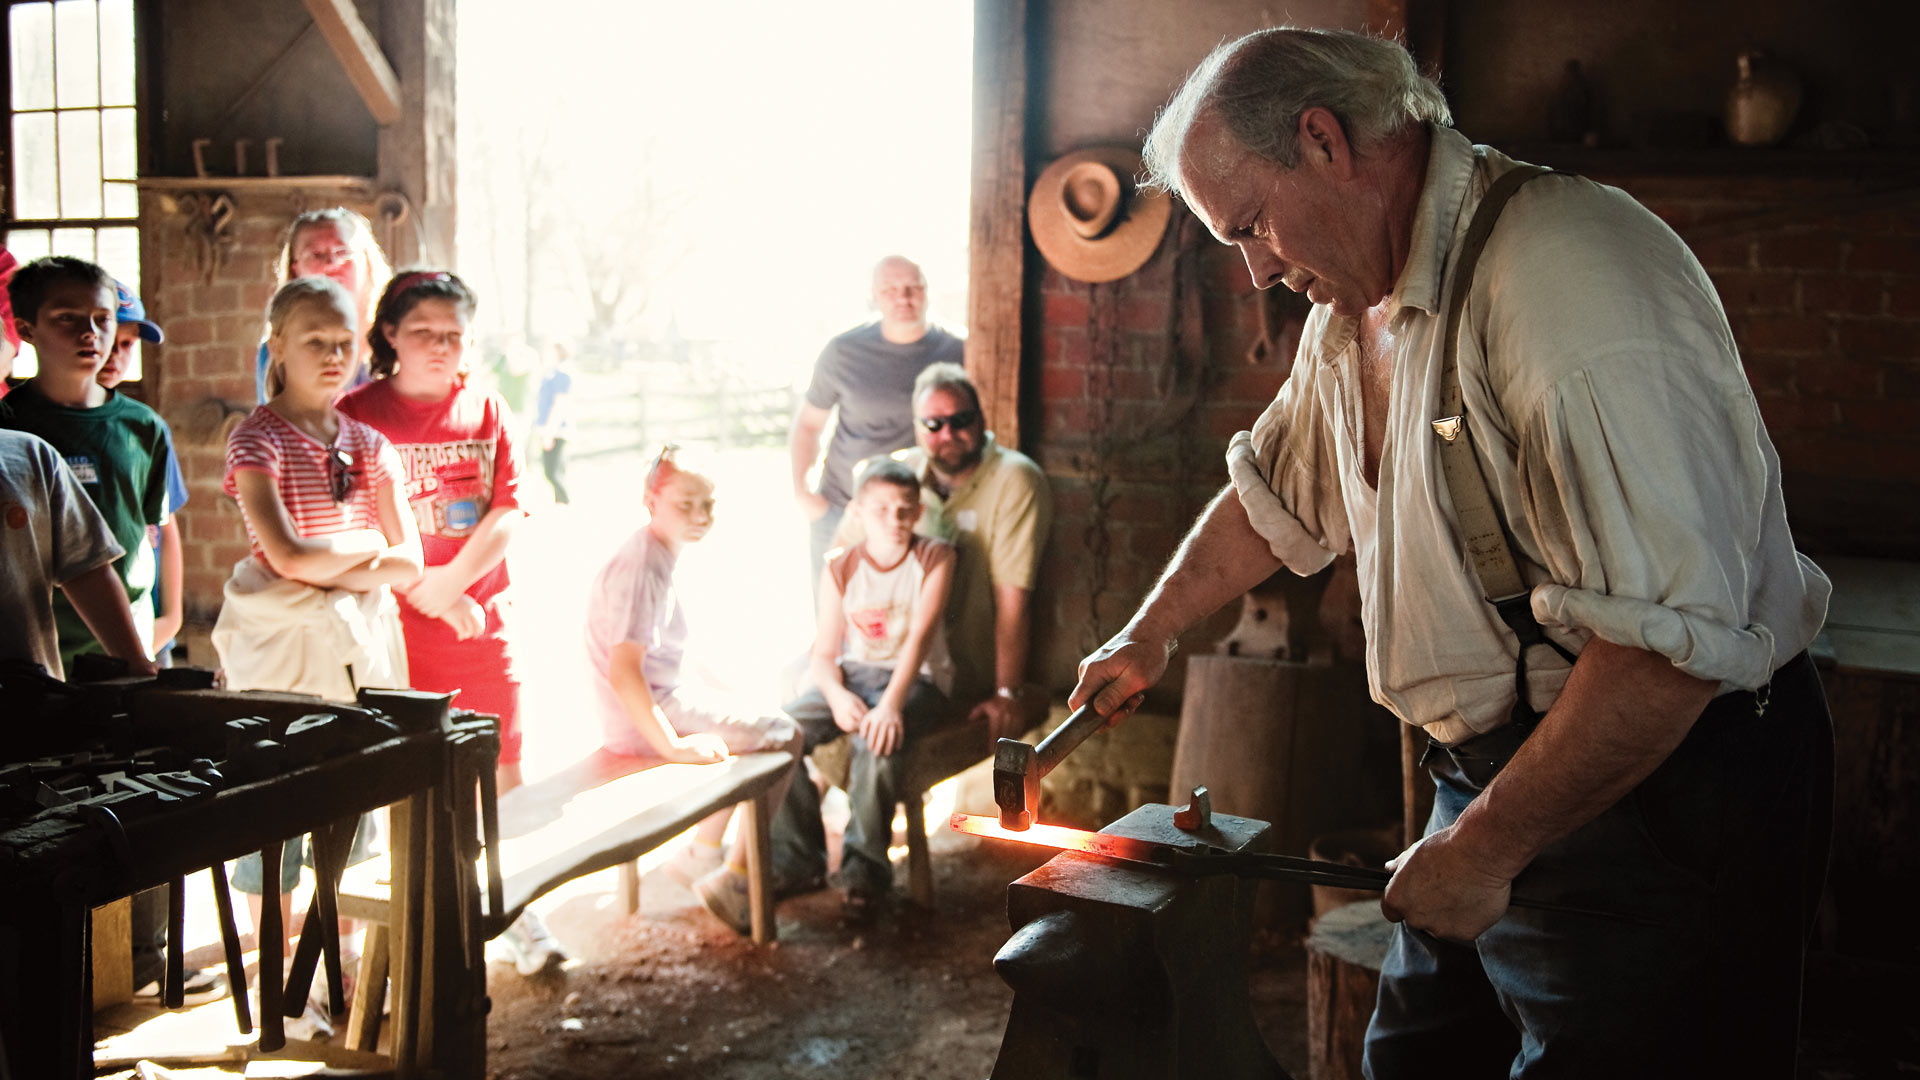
<point x="300" y="467"/>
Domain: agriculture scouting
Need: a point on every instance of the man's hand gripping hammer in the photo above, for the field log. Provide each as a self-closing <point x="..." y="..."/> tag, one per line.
<point x="1018" y="767"/>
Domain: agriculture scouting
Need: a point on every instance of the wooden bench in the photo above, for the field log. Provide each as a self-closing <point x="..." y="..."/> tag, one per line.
<point x="602" y="811"/>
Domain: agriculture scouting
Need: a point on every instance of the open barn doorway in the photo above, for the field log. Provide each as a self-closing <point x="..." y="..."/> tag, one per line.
<point x="689" y="199"/>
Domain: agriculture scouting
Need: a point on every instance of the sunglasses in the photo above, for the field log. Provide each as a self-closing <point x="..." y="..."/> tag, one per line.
<point x="958" y="421"/>
<point x="340" y="476"/>
<point x="663" y="459"/>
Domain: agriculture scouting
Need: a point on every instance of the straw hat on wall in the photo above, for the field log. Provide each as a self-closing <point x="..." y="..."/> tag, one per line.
<point x="1089" y="219"/>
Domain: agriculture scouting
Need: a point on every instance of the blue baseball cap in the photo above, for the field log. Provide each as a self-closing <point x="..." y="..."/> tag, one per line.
<point x="133" y="311"/>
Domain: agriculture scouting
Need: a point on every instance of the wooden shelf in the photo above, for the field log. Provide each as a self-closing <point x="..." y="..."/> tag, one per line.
<point x="264" y="184"/>
<point x="1728" y="161"/>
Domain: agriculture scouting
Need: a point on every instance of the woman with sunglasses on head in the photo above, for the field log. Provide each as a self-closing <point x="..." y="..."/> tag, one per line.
<point x="311" y="610"/>
<point x="339" y="244"/>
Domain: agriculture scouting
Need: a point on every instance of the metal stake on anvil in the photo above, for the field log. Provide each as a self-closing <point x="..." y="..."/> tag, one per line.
<point x="1018" y="767"/>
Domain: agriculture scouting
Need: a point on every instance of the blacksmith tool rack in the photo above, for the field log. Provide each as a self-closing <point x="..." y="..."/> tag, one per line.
<point x="131" y="784"/>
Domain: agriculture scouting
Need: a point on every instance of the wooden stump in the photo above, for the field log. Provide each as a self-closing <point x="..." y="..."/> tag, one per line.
<point x="1344" y="954"/>
<point x="1298" y="745"/>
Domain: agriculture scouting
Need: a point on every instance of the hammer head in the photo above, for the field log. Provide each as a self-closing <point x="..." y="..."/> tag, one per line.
<point x="1016" y="784"/>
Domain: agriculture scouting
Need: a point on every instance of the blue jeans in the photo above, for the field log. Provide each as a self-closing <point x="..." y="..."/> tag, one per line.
<point x="1721" y="853"/>
<point x="873" y="785"/>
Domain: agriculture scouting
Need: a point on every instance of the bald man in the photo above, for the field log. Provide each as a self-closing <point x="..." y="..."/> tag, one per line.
<point x="866" y="373"/>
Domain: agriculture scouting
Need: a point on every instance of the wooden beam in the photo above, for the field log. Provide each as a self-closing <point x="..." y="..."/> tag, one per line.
<point x="997" y="244"/>
<point x="360" y="55"/>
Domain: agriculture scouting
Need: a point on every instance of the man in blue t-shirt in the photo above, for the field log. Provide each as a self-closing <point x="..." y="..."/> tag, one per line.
<point x="866" y="373"/>
<point x="553" y="421"/>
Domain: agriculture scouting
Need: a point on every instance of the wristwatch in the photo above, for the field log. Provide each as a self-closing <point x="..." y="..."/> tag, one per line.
<point x="1011" y="693"/>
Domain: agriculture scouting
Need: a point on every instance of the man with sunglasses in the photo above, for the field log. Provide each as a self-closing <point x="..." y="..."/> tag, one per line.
<point x="866" y="373"/>
<point x="993" y="503"/>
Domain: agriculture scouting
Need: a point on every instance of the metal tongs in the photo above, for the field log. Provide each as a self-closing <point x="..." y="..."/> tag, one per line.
<point x="1204" y="860"/>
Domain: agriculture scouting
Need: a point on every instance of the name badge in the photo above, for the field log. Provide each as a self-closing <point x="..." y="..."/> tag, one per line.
<point x="966" y="520"/>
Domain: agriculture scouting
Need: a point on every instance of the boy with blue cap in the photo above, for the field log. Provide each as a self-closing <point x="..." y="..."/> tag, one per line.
<point x="132" y="325"/>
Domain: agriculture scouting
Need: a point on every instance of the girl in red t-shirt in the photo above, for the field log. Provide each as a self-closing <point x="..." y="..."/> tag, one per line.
<point x="462" y="481"/>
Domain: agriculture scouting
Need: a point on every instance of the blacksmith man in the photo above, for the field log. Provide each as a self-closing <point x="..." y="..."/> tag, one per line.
<point x="1670" y="758"/>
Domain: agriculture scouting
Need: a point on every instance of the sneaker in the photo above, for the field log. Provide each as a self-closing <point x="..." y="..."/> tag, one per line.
<point x="200" y="986"/>
<point x="314" y="1024"/>
<point x="533" y="948"/>
<point x="694" y="861"/>
<point x="724" y="891"/>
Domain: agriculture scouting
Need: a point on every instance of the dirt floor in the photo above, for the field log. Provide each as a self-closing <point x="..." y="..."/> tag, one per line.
<point x="912" y="993"/>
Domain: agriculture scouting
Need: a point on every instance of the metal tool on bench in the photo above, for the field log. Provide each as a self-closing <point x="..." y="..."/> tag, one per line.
<point x="1018" y="767"/>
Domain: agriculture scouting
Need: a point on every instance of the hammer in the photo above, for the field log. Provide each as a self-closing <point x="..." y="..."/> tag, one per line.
<point x="1018" y="767"/>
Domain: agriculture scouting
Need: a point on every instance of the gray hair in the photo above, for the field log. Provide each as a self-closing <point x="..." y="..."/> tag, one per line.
<point x="946" y="376"/>
<point x="1260" y="84"/>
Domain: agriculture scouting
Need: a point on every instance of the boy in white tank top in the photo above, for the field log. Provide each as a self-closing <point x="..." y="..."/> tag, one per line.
<point x="881" y="675"/>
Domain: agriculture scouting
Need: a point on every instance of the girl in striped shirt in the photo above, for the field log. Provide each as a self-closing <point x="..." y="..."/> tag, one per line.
<point x="311" y="609"/>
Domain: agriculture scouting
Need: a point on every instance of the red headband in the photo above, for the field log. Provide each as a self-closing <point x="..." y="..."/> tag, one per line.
<point x="407" y="281"/>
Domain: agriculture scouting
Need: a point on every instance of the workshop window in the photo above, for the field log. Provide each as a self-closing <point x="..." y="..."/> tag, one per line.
<point x="72" y="139"/>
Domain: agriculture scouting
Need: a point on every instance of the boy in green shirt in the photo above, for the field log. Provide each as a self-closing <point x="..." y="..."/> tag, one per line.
<point x="117" y="448"/>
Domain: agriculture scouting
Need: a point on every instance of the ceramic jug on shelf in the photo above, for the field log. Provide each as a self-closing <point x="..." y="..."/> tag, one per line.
<point x="1763" y="102"/>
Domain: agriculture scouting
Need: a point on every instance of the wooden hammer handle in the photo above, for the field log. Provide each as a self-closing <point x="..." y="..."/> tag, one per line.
<point x="1066" y="737"/>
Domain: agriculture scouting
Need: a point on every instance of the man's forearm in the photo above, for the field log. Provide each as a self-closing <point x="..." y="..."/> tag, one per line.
<point x="1622" y="712"/>
<point x="803" y="448"/>
<point x="1220" y="559"/>
<point x="1012" y="635"/>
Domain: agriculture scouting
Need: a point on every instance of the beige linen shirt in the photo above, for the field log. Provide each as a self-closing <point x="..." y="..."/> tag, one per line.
<point x="1617" y="433"/>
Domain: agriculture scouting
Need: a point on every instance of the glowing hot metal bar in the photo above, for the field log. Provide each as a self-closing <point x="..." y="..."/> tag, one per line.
<point x="1205" y="860"/>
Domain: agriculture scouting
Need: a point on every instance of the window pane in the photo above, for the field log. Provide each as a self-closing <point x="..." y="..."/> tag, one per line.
<point x="76" y="53"/>
<point x="79" y="163"/>
<point x="75" y="242"/>
<point x="27" y="245"/>
<point x="119" y="144"/>
<point x="119" y="250"/>
<point x="31" y="26"/>
<point x="116" y="52"/>
<point x="36" y="167"/>
<point x="123" y="200"/>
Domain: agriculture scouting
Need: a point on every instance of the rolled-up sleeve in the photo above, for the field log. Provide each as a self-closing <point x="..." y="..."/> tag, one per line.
<point x="1286" y="476"/>
<point x="1648" y="508"/>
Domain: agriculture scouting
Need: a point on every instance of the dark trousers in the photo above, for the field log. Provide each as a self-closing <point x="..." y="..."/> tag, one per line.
<point x="1721" y="854"/>
<point x="553" y="462"/>
<point x="873" y="784"/>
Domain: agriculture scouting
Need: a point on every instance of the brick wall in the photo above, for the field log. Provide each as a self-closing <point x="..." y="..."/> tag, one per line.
<point x="1142" y="382"/>
<point x="201" y="379"/>
<point x="1827" y="316"/>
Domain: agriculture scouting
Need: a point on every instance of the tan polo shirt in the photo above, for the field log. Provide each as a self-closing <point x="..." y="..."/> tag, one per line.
<point x="998" y="521"/>
<point x="1615" y="427"/>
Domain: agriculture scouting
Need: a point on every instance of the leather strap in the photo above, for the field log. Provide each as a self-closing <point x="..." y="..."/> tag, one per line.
<point x="1478" y="519"/>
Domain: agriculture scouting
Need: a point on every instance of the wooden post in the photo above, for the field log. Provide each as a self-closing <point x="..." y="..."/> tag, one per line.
<point x="417" y="154"/>
<point x="919" y="859"/>
<point x="757" y="831"/>
<point x="997" y="245"/>
<point x="629" y="888"/>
